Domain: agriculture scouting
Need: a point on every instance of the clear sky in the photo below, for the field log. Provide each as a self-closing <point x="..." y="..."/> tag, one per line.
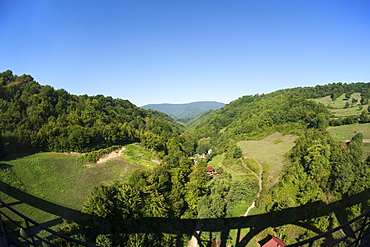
<point x="177" y="51"/>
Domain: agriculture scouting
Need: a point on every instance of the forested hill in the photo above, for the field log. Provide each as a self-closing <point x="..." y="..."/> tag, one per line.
<point x="285" y="111"/>
<point x="37" y="118"/>
<point x="188" y="110"/>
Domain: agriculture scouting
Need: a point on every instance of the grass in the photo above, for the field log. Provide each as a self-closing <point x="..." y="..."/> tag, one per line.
<point x="350" y="111"/>
<point x="252" y="164"/>
<point x="137" y="154"/>
<point x="268" y="153"/>
<point x="339" y="102"/>
<point x="336" y="107"/>
<point x="270" y="150"/>
<point x="216" y="161"/>
<point x="344" y="133"/>
<point x="59" y="179"/>
<point x="325" y="100"/>
<point x="237" y="169"/>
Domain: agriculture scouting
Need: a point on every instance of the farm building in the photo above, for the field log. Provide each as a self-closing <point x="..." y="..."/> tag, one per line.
<point x="271" y="241"/>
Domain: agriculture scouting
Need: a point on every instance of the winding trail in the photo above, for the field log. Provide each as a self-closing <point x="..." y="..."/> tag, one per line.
<point x="252" y="206"/>
<point x="259" y="177"/>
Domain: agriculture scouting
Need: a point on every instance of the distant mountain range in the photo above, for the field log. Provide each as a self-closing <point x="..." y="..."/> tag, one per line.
<point x="187" y="110"/>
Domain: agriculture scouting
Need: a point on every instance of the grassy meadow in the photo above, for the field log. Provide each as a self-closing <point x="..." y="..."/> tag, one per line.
<point x="337" y="107"/>
<point x="269" y="150"/>
<point x="57" y="181"/>
<point x="344" y="133"/>
<point x="266" y="155"/>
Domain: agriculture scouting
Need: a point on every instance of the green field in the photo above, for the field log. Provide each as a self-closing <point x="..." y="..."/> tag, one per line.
<point x="238" y="170"/>
<point x="257" y="154"/>
<point x="270" y="150"/>
<point x="344" y="133"/>
<point x="346" y="111"/>
<point x="336" y="107"/>
<point x="58" y="179"/>
<point x="339" y="102"/>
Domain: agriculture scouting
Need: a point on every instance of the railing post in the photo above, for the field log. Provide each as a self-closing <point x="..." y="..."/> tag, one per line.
<point x="238" y="237"/>
<point x="357" y="242"/>
<point x="179" y="242"/>
<point x="29" y="232"/>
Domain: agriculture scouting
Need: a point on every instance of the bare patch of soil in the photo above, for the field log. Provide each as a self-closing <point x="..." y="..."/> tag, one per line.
<point x="114" y="154"/>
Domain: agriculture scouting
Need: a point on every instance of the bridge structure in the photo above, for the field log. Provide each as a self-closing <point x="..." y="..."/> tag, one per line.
<point x="355" y="232"/>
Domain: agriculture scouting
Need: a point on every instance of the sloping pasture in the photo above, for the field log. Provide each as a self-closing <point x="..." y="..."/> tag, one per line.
<point x="60" y="180"/>
<point x="270" y="150"/>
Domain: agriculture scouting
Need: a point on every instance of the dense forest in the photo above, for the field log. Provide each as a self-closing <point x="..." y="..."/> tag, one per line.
<point x="38" y="118"/>
<point x="35" y="118"/>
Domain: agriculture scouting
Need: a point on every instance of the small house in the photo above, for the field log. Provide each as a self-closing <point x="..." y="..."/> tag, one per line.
<point x="210" y="169"/>
<point x="271" y="241"/>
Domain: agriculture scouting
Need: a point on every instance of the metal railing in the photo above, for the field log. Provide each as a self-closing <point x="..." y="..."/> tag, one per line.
<point x="23" y="231"/>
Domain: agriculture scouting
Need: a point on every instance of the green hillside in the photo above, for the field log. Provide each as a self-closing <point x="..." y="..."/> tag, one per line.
<point x="63" y="156"/>
<point x="306" y="163"/>
<point x="36" y="118"/>
<point x="61" y="180"/>
<point x="185" y="111"/>
<point x="191" y="122"/>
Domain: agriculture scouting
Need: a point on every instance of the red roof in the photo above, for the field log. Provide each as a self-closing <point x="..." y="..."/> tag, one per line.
<point x="274" y="242"/>
<point x="210" y="168"/>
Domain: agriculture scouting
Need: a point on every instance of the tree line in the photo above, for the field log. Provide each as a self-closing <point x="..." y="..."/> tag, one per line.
<point x="37" y="118"/>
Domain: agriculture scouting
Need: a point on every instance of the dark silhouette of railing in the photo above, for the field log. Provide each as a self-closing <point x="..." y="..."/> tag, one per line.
<point x="357" y="237"/>
<point x="18" y="230"/>
<point x="255" y="223"/>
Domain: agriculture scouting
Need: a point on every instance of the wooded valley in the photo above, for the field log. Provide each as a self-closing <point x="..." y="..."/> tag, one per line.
<point x="211" y="169"/>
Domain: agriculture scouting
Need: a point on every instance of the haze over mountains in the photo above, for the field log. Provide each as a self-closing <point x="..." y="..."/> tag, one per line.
<point x="187" y="110"/>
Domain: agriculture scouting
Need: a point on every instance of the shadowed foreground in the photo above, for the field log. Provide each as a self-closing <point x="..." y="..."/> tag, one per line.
<point x="256" y="223"/>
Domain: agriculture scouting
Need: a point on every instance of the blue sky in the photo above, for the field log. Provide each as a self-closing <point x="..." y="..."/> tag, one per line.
<point x="179" y="51"/>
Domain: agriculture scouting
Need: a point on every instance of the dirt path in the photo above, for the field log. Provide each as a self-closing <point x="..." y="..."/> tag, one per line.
<point x="363" y="140"/>
<point x="252" y="206"/>
<point x="259" y="177"/>
<point x="14" y="83"/>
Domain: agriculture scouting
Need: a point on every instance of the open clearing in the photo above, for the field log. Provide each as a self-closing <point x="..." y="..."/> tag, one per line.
<point x="344" y="133"/>
<point x="337" y="106"/>
<point x="60" y="179"/>
<point x="339" y="102"/>
<point x="270" y="150"/>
